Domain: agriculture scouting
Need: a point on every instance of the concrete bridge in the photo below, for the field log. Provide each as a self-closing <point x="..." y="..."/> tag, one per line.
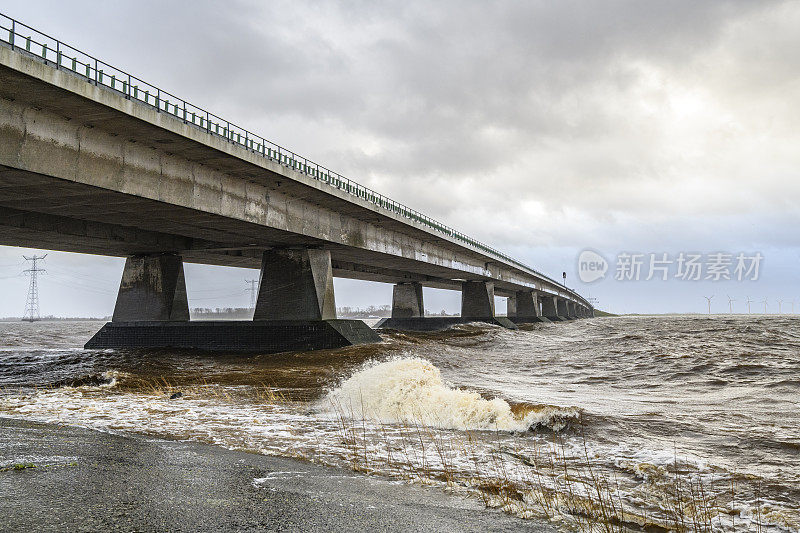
<point x="94" y="160"/>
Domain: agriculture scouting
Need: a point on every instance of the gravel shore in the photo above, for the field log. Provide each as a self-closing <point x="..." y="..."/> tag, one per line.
<point x="63" y="478"/>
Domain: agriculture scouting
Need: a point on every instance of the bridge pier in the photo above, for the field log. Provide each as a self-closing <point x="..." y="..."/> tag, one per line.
<point x="561" y="308"/>
<point x="407" y="300"/>
<point x="571" y="310"/>
<point x="550" y="307"/>
<point x="295" y="310"/>
<point x="477" y="305"/>
<point x="153" y="288"/>
<point x="525" y="309"/>
<point x="295" y="285"/>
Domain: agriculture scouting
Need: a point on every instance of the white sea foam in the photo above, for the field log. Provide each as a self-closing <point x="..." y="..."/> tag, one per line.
<point x="411" y="390"/>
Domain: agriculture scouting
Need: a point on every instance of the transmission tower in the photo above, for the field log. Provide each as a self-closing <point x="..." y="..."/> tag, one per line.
<point x="253" y="288"/>
<point x="32" y="301"/>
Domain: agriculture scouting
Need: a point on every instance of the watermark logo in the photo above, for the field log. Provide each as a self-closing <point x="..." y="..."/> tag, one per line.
<point x="591" y="266"/>
<point x="684" y="266"/>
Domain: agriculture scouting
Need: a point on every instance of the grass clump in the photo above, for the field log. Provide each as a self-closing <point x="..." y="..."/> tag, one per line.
<point x="17" y="467"/>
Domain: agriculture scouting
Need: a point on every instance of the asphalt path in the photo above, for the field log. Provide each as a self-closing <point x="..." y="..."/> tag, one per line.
<point x="64" y="478"/>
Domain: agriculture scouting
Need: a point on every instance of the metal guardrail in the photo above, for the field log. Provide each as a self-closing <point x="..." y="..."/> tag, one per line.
<point x="64" y="57"/>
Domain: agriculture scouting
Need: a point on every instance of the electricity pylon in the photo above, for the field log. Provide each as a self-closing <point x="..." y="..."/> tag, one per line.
<point x="730" y="304"/>
<point x="253" y="288"/>
<point x="709" y="298"/>
<point x="31" y="313"/>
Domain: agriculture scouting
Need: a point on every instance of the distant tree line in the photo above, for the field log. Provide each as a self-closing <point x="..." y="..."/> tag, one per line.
<point x="229" y="313"/>
<point x="379" y="311"/>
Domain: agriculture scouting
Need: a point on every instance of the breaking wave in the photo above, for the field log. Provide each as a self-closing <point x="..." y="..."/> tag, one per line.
<point x="411" y="390"/>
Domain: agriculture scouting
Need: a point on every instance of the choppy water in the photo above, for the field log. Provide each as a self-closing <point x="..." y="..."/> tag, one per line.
<point x="681" y="422"/>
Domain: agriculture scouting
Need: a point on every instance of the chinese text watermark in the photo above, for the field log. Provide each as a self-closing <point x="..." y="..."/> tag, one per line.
<point x="683" y="266"/>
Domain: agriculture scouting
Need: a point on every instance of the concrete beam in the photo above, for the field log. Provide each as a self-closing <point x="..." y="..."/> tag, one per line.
<point x="295" y="285"/>
<point x="407" y="300"/>
<point x="477" y="299"/>
<point x="153" y="288"/>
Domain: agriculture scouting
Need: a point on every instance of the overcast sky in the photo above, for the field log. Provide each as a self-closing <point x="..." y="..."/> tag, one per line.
<point x="540" y="128"/>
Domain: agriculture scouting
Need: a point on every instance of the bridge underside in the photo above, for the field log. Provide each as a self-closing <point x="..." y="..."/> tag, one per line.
<point x="54" y="214"/>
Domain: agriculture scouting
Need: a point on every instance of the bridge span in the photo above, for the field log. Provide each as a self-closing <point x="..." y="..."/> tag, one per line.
<point x="95" y="160"/>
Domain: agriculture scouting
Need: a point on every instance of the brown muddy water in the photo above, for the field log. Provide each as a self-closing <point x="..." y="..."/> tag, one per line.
<point x="663" y="423"/>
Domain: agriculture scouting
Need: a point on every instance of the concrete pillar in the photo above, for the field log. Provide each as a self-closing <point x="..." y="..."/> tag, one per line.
<point x="527" y="306"/>
<point x="571" y="309"/>
<point x="153" y="288"/>
<point x="407" y="300"/>
<point x="561" y="307"/>
<point x="549" y="309"/>
<point x="511" y="306"/>
<point x="477" y="299"/>
<point x="295" y="285"/>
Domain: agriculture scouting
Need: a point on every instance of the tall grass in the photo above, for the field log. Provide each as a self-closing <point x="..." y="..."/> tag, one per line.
<point x="543" y="480"/>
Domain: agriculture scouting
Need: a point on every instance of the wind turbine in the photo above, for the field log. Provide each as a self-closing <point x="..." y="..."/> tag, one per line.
<point x="765" y="306"/>
<point x="779" y="305"/>
<point x="730" y="303"/>
<point x="709" y="298"/>
<point x="748" y="305"/>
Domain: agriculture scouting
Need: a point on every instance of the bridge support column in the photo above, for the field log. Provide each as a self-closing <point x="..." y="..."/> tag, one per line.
<point x="477" y="299"/>
<point x="407" y="300"/>
<point x="295" y="310"/>
<point x="477" y="305"/>
<point x="549" y="307"/>
<point x="153" y="288"/>
<point x="571" y="310"/>
<point x="526" y="310"/>
<point x="511" y="306"/>
<point x="295" y="285"/>
<point x="561" y="308"/>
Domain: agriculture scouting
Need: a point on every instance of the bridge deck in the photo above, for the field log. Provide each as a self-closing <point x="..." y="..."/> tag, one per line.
<point x="87" y="167"/>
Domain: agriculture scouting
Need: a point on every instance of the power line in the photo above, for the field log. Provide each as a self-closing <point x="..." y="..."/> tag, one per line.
<point x="32" y="301"/>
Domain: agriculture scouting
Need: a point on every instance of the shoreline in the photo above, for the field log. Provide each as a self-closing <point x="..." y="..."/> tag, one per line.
<point x="89" y="480"/>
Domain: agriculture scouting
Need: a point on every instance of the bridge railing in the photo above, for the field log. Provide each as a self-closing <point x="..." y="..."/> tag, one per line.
<point x="27" y="40"/>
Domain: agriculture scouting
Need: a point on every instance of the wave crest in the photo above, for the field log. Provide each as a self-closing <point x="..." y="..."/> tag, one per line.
<point x="411" y="390"/>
